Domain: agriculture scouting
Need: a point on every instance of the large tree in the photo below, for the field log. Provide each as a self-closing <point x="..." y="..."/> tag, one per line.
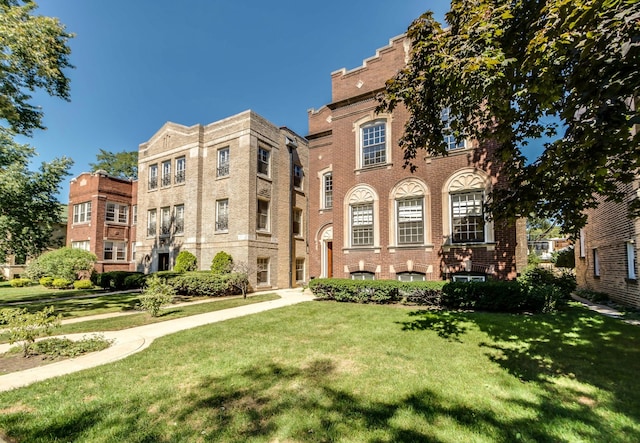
<point x="119" y="164"/>
<point x="34" y="52"/>
<point x="508" y="71"/>
<point x="28" y="207"/>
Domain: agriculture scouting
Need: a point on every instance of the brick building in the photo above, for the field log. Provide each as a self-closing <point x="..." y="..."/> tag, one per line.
<point x="371" y="218"/>
<point x="236" y="185"/>
<point x="102" y="219"/>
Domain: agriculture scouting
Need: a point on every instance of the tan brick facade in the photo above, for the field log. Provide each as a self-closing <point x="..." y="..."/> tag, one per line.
<point x="88" y="226"/>
<point x="608" y="248"/>
<point x="218" y="194"/>
<point x="379" y="193"/>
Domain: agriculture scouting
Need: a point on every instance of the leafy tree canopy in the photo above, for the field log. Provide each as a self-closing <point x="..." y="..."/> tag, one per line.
<point x="34" y="52"/>
<point x="28" y="206"/>
<point x="502" y="68"/>
<point x="119" y="164"/>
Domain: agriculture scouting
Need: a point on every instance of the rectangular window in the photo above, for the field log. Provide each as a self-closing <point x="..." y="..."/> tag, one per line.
<point x="583" y="252"/>
<point x="134" y="216"/>
<point x="133" y="251"/>
<point x="85" y="245"/>
<point x="467" y="217"/>
<point x="374" y="146"/>
<point x="362" y="224"/>
<point x="166" y="173"/>
<point x="115" y="250"/>
<point x="410" y="221"/>
<point x="263" y="215"/>
<point x="153" y="177"/>
<point x="299" y="269"/>
<point x="297" y="176"/>
<point x="297" y="221"/>
<point x="263" y="161"/>
<point x="631" y="261"/>
<point x="327" y="187"/>
<point x="82" y="212"/>
<point x="450" y="141"/>
<point x="262" y="273"/>
<point x="223" y="162"/>
<point x="165" y="221"/>
<point x="152" y="221"/>
<point x="596" y="263"/>
<point x="117" y="213"/>
<point x="181" y="169"/>
<point x="178" y="216"/>
<point x="222" y="215"/>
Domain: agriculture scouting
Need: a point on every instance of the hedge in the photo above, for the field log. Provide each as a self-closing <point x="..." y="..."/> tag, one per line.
<point x="120" y="280"/>
<point x="203" y="283"/>
<point x="377" y="291"/>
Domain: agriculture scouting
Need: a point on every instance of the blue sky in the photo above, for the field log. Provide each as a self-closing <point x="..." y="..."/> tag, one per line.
<point x="139" y="64"/>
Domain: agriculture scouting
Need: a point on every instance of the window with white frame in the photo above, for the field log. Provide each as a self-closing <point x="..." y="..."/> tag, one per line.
<point x="222" y="215"/>
<point x="152" y="222"/>
<point x="596" y="263"/>
<point x="297" y="222"/>
<point x="117" y="213"/>
<point x="262" y="274"/>
<point x="362" y="224"/>
<point x="165" y="221"/>
<point x="632" y="274"/>
<point x="451" y="142"/>
<point x="410" y="276"/>
<point x="363" y="275"/>
<point x="166" y="173"/>
<point x="297" y="176"/>
<point x="153" y="177"/>
<point x="82" y="212"/>
<point x="327" y="190"/>
<point x="262" y="222"/>
<point x="223" y="162"/>
<point x="583" y="251"/>
<point x="178" y="219"/>
<point x="299" y="269"/>
<point x="468" y="278"/>
<point x="410" y="213"/>
<point x="134" y="215"/>
<point x="115" y="251"/>
<point x="181" y="169"/>
<point x="133" y="251"/>
<point x="373" y="143"/>
<point x="263" y="161"/>
<point x="85" y="245"/>
<point x="467" y="217"/>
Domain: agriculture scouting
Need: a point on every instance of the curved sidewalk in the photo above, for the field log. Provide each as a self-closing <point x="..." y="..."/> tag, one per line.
<point x="130" y="341"/>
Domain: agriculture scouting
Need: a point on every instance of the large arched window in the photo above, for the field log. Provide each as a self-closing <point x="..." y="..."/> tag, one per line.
<point x="361" y="213"/>
<point x="410" y="205"/>
<point x="464" y="217"/>
<point x="373" y="141"/>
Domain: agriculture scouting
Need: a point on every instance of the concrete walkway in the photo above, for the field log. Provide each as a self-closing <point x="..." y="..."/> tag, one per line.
<point x="130" y="341"/>
<point x="604" y="310"/>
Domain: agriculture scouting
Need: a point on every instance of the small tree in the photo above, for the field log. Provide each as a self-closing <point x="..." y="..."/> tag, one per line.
<point x="185" y="261"/>
<point x="67" y="263"/>
<point x="222" y="263"/>
<point x="564" y="258"/>
<point x="156" y="294"/>
<point x="239" y="279"/>
<point x="25" y="327"/>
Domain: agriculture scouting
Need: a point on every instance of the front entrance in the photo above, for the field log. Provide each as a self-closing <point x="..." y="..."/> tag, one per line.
<point x="163" y="261"/>
<point x="327" y="253"/>
<point x="329" y="259"/>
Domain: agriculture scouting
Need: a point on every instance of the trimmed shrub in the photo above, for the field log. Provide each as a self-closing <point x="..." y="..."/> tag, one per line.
<point x="376" y="291"/>
<point x="47" y="282"/>
<point x="82" y="284"/>
<point x="20" y="282"/>
<point x="67" y="263"/>
<point x="533" y="277"/>
<point x="61" y="283"/>
<point x="222" y="263"/>
<point x="203" y="284"/>
<point x="185" y="261"/>
<point x="496" y="296"/>
<point x="120" y="280"/>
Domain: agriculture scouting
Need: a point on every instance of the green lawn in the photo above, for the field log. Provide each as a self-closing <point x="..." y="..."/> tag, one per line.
<point x="37" y="292"/>
<point x="324" y="371"/>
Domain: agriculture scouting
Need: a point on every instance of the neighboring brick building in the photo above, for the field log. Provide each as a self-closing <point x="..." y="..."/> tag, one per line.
<point x="102" y="219"/>
<point x="608" y="248"/>
<point x="371" y="218"/>
<point x="236" y="185"/>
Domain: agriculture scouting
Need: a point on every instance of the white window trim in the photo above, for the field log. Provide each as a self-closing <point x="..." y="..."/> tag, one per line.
<point x="321" y="177"/>
<point x="407" y="189"/>
<point x="223" y="169"/>
<point x="258" y="161"/>
<point x="583" y="251"/>
<point x="359" y="195"/>
<point x="358" y="126"/>
<point x="267" y="227"/>
<point x="219" y="215"/>
<point x="632" y="274"/>
<point x="304" y="274"/>
<point x="117" y="208"/>
<point x="82" y="212"/>
<point x="176" y="219"/>
<point x="596" y="262"/>
<point x="268" y="279"/>
<point x="117" y="247"/>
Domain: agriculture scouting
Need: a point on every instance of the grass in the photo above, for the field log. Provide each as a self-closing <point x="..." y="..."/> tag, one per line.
<point x="326" y="371"/>
<point x="37" y="292"/>
<point x="143" y="318"/>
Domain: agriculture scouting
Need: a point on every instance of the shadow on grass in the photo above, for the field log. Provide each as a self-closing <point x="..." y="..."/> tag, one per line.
<point x="446" y="324"/>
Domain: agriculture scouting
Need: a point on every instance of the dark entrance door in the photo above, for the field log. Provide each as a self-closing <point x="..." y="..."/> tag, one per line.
<point x="163" y="261"/>
<point x="329" y="259"/>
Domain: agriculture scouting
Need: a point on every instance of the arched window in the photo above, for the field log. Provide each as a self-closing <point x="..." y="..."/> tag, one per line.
<point x="373" y="141"/>
<point x="363" y="275"/>
<point x="361" y="217"/>
<point x="411" y="276"/>
<point x="409" y="202"/>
